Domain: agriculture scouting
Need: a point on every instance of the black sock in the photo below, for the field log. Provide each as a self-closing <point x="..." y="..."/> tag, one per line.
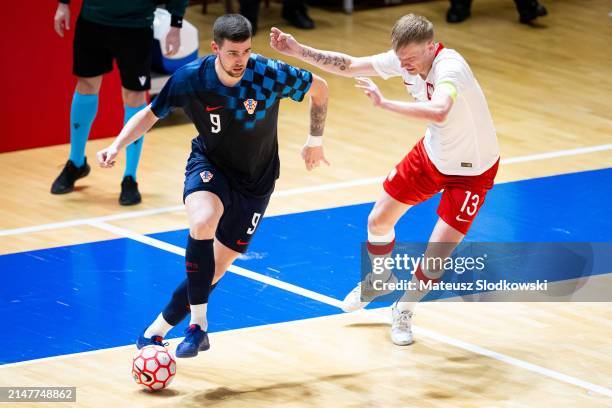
<point x="200" y="265"/>
<point x="178" y="307"/>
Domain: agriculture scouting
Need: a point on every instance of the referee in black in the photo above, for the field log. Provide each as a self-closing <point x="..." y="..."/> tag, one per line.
<point x="108" y="30"/>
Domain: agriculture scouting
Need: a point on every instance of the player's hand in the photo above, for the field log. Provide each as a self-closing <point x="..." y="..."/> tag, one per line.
<point x="370" y="89"/>
<point x="173" y="41"/>
<point x="106" y="157"/>
<point x="284" y="43"/>
<point x="61" y="21"/>
<point x="313" y="156"/>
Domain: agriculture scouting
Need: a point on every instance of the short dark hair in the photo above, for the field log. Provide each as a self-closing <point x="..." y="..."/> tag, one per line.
<point x="233" y="27"/>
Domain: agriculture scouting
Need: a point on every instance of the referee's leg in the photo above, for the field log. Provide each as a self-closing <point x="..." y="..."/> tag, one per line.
<point x="133" y="102"/>
<point x="133" y="51"/>
<point x="82" y="114"/>
<point x="83" y="111"/>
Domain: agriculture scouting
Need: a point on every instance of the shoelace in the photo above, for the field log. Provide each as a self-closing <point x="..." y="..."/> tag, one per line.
<point x="191" y="328"/>
<point x="402" y="320"/>
<point x="158" y="341"/>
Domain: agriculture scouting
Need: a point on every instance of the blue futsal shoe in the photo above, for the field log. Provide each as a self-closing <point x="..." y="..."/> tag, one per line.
<point x="150" y="341"/>
<point x="195" y="340"/>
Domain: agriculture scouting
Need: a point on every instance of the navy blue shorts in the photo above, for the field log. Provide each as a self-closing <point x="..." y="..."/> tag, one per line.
<point x="241" y="213"/>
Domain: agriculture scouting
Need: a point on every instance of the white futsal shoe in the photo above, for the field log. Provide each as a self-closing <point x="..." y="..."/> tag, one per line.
<point x="362" y="295"/>
<point x="401" y="327"/>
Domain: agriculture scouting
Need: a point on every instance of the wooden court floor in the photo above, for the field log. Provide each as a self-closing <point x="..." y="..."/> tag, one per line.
<point x="548" y="89"/>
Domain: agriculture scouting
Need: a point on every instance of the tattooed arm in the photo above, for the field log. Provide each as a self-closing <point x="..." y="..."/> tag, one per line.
<point x="318" y="105"/>
<point x="330" y="61"/>
<point x="312" y="152"/>
<point x="335" y="62"/>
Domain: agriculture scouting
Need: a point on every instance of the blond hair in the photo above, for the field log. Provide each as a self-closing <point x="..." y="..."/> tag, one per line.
<point x="411" y="29"/>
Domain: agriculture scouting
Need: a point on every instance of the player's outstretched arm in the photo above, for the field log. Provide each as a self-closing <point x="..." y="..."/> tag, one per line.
<point x="330" y="61"/>
<point x="138" y="125"/>
<point x="435" y="110"/>
<point x="312" y="152"/>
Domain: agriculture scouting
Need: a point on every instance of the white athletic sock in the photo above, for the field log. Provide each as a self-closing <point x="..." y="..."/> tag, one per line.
<point x="160" y="327"/>
<point x="198" y="315"/>
<point x="410" y="298"/>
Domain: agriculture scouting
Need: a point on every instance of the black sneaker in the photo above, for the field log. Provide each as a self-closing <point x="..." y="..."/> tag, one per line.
<point x="459" y="11"/>
<point x="298" y="18"/>
<point x="64" y="183"/>
<point x="534" y="11"/>
<point x="129" y="192"/>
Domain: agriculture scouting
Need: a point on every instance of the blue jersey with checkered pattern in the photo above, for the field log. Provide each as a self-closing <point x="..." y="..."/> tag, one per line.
<point x="237" y="125"/>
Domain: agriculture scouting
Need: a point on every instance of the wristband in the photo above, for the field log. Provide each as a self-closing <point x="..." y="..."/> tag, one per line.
<point x="176" y="21"/>
<point x="314" y="141"/>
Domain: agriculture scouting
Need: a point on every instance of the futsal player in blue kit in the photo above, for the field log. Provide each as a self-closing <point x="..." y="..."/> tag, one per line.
<point x="233" y="98"/>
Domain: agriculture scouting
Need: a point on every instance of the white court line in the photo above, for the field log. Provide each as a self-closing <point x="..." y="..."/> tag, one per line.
<point x="233" y="268"/>
<point x="84" y="221"/>
<point x="175" y="339"/>
<point x="336" y="303"/>
<point x="534" y="368"/>
<point x="285" y="193"/>
<point x="286" y="286"/>
<point x="327" y="187"/>
<point x="503" y="358"/>
<point x="559" y="153"/>
<point x="139" y="237"/>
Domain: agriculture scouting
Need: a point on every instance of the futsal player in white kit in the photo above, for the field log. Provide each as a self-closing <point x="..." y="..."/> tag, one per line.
<point x="459" y="153"/>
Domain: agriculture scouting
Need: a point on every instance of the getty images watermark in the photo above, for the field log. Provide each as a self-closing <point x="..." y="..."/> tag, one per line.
<point x="493" y="271"/>
<point x="408" y="264"/>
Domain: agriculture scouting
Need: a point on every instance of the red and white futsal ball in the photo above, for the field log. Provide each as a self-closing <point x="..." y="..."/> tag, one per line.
<point x="153" y="368"/>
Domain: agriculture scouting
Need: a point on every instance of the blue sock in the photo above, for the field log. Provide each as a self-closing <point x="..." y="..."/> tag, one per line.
<point x="132" y="153"/>
<point x="82" y="114"/>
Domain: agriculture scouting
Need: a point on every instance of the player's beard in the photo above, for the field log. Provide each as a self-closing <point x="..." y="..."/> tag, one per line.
<point x="232" y="72"/>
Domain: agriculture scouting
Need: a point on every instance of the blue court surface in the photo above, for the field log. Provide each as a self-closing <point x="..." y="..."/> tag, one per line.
<point x="99" y="295"/>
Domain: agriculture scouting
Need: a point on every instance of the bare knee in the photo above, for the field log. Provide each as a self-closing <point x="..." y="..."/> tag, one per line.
<point x="134" y="99"/>
<point x="203" y="228"/>
<point x="377" y="224"/>
<point x="204" y="210"/>
<point x="88" y="86"/>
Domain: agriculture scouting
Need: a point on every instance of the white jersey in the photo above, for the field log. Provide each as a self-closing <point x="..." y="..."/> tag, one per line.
<point x="465" y="144"/>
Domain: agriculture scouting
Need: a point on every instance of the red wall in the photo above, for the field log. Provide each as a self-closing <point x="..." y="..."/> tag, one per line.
<point x="37" y="83"/>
